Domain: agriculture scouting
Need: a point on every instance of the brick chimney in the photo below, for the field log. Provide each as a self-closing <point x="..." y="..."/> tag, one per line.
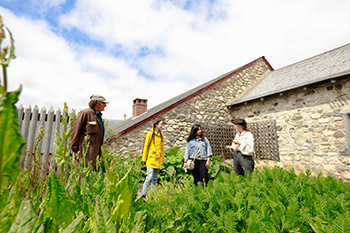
<point x="139" y="107"/>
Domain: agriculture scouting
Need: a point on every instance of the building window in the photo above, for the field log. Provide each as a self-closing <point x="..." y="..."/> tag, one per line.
<point x="346" y="121"/>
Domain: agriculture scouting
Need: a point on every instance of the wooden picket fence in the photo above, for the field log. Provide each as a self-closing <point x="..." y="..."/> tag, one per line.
<point x="30" y="120"/>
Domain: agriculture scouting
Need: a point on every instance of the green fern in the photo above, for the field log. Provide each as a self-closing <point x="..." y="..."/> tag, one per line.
<point x="341" y="224"/>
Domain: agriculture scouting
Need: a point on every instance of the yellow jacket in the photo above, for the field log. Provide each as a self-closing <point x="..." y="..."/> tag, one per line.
<point x="153" y="150"/>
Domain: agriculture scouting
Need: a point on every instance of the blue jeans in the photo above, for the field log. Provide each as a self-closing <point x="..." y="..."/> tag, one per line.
<point x="152" y="175"/>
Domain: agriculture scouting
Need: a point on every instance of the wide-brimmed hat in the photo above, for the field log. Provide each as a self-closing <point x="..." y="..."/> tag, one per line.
<point x="239" y="121"/>
<point x="99" y="98"/>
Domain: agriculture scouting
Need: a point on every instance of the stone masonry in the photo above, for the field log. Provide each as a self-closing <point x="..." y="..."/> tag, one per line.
<point x="310" y="133"/>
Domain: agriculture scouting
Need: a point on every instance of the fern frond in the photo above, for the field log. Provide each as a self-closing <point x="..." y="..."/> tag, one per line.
<point x="341" y="224"/>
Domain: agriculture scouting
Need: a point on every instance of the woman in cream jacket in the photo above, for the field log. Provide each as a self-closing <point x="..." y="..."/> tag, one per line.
<point x="243" y="146"/>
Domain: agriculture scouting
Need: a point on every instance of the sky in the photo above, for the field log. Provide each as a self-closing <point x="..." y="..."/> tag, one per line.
<point x="67" y="51"/>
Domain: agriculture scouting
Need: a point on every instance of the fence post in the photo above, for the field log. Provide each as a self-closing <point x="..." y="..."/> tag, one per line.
<point x="42" y="123"/>
<point x="58" y="121"/>
<point x="71" y="115"/>
<point x="48" y="135"/>
<point x="20" y="116"/>
<point x="31" y="136"/>
<point x="25" y="123"/>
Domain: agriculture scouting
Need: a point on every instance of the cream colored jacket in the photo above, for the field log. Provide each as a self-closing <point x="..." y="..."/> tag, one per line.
<point x="247" y="143"/>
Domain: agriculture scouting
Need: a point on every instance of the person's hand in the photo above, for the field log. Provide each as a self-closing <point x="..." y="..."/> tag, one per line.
<point x="236" y="142"/>
<point x="185" y="164"/>
<point x="207" y="164"/>
<point x="227" y="147"/>
<point x="144" y="162"/>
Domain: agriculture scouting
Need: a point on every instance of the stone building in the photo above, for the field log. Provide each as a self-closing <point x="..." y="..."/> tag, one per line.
<point x="203" y="104"/>
<point x="308" y="100"/>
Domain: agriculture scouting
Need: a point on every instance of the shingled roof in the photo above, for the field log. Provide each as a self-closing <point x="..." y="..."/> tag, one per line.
<point x="328" y="65"/>
<point x="130" y="124"/>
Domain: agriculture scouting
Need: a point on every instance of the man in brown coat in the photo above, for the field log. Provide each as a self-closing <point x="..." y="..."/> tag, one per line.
<point x="89" y="123"/>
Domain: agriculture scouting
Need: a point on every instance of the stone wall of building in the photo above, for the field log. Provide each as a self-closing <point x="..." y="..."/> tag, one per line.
<point x="207" y="107"/>
<point x="311" y="135"/>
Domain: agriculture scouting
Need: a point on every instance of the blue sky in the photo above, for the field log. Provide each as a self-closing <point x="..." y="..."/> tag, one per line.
<point x="156" y="49"/>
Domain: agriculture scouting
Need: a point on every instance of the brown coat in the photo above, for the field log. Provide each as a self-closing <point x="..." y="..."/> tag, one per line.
<point x="86" y="124"/>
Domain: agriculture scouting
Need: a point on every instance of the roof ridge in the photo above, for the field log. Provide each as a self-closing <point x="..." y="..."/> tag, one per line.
<point x="313" y="57"/>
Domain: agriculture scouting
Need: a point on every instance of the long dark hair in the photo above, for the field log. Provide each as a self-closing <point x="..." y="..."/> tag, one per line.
<point x="193" y="133"/>
<point x="246" y="128"/>
<point x="155" y="123"/>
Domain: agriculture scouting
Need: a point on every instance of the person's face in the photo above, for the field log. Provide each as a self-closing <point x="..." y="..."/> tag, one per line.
<point x="199" y="131"/>
<point x="100" y="106"/>
<point x="159" y="126"/>
<point x="238" y="128"/>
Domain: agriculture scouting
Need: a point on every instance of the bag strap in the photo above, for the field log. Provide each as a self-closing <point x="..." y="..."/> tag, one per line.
<point x="198" y="143"/>
<point x="149" y="145"/>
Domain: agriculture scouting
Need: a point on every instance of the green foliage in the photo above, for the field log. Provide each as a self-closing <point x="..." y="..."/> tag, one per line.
<point x="75" y="225"/>
<point x="77" y="202"/>
<point x="25" y="219"/>
<point x="57" y="204"/>
<point x="101" y="223"/>
<point x="11" y="141"/>
<point x="84" y="201"/>
<point x="60" y="145"/>
<point x="6" y="55"/>
<point x="10" y="203"/>
<point x="269" y="201"/>
<point x="217" y="165"/>
<point x="172" y="170"/>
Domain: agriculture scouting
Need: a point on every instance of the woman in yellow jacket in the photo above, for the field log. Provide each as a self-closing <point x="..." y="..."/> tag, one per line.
<point x="153" y="153"/>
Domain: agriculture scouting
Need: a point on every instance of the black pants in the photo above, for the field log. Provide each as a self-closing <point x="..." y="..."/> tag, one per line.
<point x="242" y="163"/>
<point x="200" y="172"/>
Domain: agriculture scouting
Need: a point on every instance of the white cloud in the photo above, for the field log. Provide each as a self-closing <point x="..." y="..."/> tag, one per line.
<point x="51" y="73"/>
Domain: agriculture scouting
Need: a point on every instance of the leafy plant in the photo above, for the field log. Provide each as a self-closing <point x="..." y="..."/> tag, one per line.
<point x="172" y="170"/>
<point x="269" y="201"/>
<point x="57" y="204"/>
<point x="60" y="145"/>
<point x="11" y="141"/>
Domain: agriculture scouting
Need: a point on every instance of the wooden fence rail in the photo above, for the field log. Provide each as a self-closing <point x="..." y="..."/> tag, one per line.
<point x="30" y="120"/>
